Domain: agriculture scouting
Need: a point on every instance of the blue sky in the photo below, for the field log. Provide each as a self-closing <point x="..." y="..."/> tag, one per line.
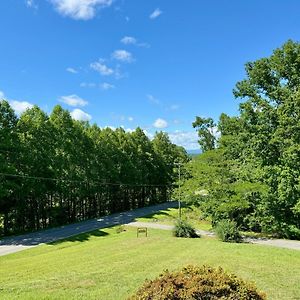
<point x="153" y="64"/>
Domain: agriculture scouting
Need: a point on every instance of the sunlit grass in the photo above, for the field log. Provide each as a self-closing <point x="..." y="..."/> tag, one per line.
<point x="169" y="216"/>
<point x="107" y="265"/>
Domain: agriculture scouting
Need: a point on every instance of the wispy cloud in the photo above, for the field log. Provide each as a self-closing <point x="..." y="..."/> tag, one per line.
<point x="88" y="84"/>
<point x="153" y="100"/>
<point x="186" y="139"/>
<point x="106" y="86"/>
<point x="155" y="14"/>
<point x="121" y="118"/>
<point x="73" y="100"/>
<point x="79" y="115"/>
<point x="160" y="123"/>
<point x="102" y="68"/>
<point x="128" y="40"/>
<point x="71" y="70"/>
<point x="31" y="4"/>
<point x="80" y="9"/>
<point x="122" y="55"/>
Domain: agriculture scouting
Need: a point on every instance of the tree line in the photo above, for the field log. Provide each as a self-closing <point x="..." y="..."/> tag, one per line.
<point x="251" y="172"/>
<point x="55" y="170"/>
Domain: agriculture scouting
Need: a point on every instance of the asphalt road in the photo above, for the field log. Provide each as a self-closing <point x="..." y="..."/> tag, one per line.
<point x="26" y="241"/>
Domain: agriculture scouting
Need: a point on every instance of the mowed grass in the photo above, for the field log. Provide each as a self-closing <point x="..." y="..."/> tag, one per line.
<point x="169" y="216"/>
<point x="106" y="265"/>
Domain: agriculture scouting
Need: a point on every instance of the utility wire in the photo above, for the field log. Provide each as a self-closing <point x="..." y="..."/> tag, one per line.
<point x="83" y="181"/>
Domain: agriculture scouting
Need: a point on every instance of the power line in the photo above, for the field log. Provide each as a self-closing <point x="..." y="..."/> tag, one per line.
<point x="84" y="181"/>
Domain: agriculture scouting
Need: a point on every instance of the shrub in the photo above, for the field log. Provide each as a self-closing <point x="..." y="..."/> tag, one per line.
<point x="120" y="229"/>
<point x="197" y="283"/>
<point x="227" y="231"/>
<point x="184" y="229"/>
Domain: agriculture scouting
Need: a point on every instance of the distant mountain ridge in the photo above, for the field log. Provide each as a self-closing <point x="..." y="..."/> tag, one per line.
<point x="193" y="152"/>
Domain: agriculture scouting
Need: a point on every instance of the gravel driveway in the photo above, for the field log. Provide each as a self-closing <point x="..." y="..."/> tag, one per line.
<point x="290" y="244"/>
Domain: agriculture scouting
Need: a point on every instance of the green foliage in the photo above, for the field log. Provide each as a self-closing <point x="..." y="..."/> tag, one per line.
<point x="184" y="229"/>
<point x="227" y="231"/>
<point x="218" y="186"/>
<point x="268" y="135"/>
<point x="55" y="170"/>
<point x="197" y="283"/>
<point x="253" y="177"/>
<point x="120" y="229"/>
<point x="205" y="127"/>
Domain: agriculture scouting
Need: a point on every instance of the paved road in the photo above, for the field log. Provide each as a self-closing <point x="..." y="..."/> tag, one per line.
<point x="281" y="243"/>
<point x="22" y="242"/>
<point x="290" y="244"/>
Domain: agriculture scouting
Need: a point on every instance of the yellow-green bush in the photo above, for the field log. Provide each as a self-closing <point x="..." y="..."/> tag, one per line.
<point x="197" y="283"/>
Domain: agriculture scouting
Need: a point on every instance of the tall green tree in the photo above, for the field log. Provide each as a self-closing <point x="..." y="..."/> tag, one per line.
<point x="269" y="135"/>
<point x="9" y="152"/>
<point x="205" y="128"/>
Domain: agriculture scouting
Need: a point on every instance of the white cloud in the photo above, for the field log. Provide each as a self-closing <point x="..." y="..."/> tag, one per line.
<point x="186" y="139"/>
<point x="106" y="86"/>
<point x="80" y="9"/>
<point x="72" y="70"/>
<point x="122" y="55"/>
<point x="73" y="100"/>
<point x="100" y="67"/>
<point x="156" y="13"/>
<point x="88" y="84"/>
<point x="153" y="100"/>
<point x="160" y="123"/>
<point x="127" y="40"/>
<point x="79" y="115"/>
<point x="20" y="106"/>
<point x="31" y="4"/>
<point x="130" y="119"/>
<point x="130" y="130"/>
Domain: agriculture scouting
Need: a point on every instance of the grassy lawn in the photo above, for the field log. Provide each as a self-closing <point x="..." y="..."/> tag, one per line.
<point x="106" y="265"/>
<point x="169" y="216"/>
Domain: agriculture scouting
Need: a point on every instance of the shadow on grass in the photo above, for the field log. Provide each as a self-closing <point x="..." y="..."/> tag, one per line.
<point x="160" y="214"/>
<point x="156" y="215"/>
<point x="83" y="237"/>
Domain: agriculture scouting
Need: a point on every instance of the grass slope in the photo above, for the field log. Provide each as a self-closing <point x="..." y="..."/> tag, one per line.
<point x="107" y="265"/>
<point x="169" y="216"/>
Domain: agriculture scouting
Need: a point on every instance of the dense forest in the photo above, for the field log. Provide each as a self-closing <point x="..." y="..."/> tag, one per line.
<point x="250" y="173"/>
<point x="55" y="170"/>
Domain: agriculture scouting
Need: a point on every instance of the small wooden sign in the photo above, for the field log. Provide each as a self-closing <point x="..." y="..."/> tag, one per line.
<point x="141" y="230"/>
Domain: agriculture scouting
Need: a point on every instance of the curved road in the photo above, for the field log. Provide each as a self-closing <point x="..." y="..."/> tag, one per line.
<point x="281" y="243"/>
<point x="22" y="242"/>
<point x="26" y="241"/>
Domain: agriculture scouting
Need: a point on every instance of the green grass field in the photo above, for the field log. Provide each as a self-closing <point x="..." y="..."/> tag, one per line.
<point x="106" y="265"/>
<point x="169" y="216"/>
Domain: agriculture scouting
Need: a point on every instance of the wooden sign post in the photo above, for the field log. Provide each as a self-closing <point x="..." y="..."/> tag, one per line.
<point x="141" y="230"/>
